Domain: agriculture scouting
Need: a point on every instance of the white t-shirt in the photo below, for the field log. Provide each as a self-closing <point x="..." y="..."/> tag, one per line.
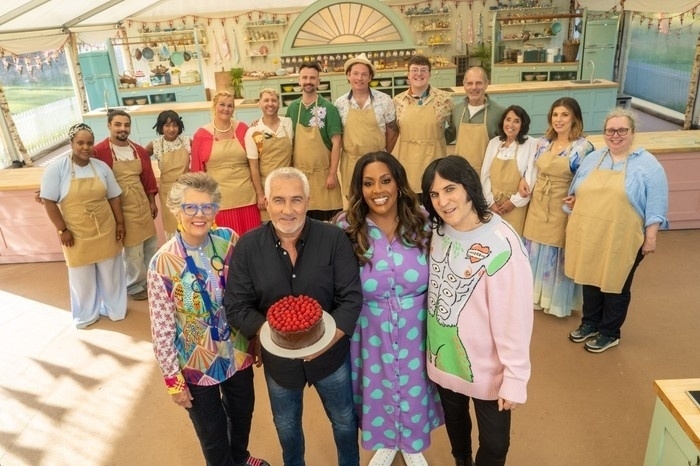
<point x="261" y="131"/>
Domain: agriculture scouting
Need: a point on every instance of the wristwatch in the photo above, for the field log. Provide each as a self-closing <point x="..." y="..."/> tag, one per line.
<point x="60" y="232"/>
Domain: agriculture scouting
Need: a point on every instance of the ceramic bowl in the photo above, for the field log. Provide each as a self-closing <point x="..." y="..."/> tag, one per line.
<point x="374" y="83"/>
<point x="323" y="87"/>
<point x="129" y="101"/>
<point x="529" y="77"/>
<point x="141" y="101"/>
<point x="288" y="88"/>
<point x="541" y="77"/>
<point x="399" y="81"/>
<point x="297" y="88"/>
<point x="385" y="82"/>
<point x="281" y="72"/>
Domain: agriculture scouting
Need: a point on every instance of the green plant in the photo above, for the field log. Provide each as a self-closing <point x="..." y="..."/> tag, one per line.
<point x="483" y="52"/>
<point x="237" y="82"/>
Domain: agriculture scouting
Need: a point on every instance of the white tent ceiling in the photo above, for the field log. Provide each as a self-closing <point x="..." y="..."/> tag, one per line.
<point x="22" y="16"/>
<point x="25" y="16"/>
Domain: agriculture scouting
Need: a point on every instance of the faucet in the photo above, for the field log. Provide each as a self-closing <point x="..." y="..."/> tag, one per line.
<point x="590" y="62"/>
<point x="106" y="96"/>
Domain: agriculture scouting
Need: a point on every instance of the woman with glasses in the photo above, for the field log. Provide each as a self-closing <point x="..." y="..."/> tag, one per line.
<point x="82" y="199"/>
<point x="557" y="157"/>
<point x="207" y="365"/>
<point x="604" y="246"/>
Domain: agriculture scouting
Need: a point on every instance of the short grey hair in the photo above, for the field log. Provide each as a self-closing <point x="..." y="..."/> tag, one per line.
<point x="619" y="112"/>
<point x="199" y="181"/>
<point x="288" y="173"/>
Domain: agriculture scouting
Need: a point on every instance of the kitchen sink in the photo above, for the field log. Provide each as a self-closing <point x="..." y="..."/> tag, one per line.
<point x="585" y="81"/>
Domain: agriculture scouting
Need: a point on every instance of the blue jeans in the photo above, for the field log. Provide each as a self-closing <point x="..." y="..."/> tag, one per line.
<point x="335" y="392"/>
<point x="222" y="415"/>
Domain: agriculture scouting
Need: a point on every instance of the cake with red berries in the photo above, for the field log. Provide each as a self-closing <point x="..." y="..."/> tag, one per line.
<point x="296" y="322"/>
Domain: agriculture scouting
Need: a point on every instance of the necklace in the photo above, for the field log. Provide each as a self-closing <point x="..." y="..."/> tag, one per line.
<point x="223" y="130"/>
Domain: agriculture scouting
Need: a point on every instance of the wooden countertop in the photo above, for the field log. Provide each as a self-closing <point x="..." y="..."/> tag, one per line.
<point x="672" y="394"/>
<point x="660" y="142"/>
<point x="539" y="86"/>
<point x="178" y="107"/>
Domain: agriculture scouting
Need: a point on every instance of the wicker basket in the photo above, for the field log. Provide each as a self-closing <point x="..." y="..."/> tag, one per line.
<point x="570" y="51"/>
<point x="127" y="78"/>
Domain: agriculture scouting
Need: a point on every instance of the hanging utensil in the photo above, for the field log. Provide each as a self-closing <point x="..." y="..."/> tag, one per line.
<point x="177" y="58"/>
<point x="187" y="56"/>
<point x="217" y="51"/>
<point x="225" y="51"/>
<point x="236" y="55"/>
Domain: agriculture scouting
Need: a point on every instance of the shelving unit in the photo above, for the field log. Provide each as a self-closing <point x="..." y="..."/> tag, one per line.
<point x="524" y="34"/>
<point x="260" y="34"/>
<point x="434" y="21"/>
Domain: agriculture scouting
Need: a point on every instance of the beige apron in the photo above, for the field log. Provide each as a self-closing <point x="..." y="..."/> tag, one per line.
<point x="361" y="136"/>
<point x="313" y="158"/>
<point x="545" y="222"/>
<point x="228" y="164"/>
<point x="138" y="220"/>
<point x="172" y="165"/>
<point x="275" y="153"/>
<point x="421" y="140"/>
<point x="90" y="219"/>
<point x="602" y="243"/>
<point x="505" y="177"/>
<point x="472" y="139"/>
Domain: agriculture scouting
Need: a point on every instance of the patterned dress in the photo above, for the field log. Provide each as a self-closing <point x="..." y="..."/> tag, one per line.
<point x="397" y="405"/>
<point x="192" y="343"/>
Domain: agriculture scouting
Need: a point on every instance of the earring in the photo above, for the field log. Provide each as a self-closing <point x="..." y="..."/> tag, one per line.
<point x="179" y="226"/>
<point x="213" y="225"/>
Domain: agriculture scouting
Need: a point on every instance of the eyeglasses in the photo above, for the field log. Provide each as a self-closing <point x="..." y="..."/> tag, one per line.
<point x="620" y="131"/>
<point x="192" y="209"/>
<point x="419" y="70"/>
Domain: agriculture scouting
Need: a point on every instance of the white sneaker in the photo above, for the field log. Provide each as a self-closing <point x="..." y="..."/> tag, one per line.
<point x="414" y="459"/>
<point x="383" y="457"/>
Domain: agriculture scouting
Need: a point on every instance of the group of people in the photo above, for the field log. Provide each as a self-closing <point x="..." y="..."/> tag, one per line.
<point x="430" y="273"/>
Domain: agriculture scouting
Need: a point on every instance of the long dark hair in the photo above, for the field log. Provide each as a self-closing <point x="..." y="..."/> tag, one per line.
<point x="456" y="169"/>
<point x="577" y="123"/>
<point x="524" y="123"/>
<point x="164" y="117"/>
<point x="411" y="227"/>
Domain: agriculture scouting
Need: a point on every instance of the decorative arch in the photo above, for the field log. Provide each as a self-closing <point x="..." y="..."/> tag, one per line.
<point x="327" y="25"/>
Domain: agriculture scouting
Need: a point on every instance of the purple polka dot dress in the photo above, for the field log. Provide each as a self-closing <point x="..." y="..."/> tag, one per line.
<point x="397" y="405"/>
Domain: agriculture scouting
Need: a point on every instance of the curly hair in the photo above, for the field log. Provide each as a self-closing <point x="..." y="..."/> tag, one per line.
<point x="411" y="226"/>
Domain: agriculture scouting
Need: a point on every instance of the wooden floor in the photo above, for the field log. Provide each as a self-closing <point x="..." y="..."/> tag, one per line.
<point x="95" y="396"/>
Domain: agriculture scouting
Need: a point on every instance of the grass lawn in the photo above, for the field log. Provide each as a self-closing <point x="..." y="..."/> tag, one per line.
<point x="25" y="98"/>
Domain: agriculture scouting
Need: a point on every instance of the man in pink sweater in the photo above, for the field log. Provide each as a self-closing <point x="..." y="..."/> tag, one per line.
<point x="479" y="312"/>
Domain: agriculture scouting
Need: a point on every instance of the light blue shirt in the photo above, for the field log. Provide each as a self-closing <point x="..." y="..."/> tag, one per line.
<point x="645" y="182"/>
<point x="55" y="182"/>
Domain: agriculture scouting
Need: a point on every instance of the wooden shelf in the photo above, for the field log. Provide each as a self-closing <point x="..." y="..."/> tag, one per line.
<point x="536" y="17"/>
<point x="265" y="25"/>
<point x="434" y="30"/>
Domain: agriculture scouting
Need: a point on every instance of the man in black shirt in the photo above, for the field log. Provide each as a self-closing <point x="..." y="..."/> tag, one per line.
<point x="296" y="255"/>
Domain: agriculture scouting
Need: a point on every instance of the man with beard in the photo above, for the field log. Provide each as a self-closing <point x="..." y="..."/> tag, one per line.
<point x="132" y="168"/>
<point x="317" y="142"/>
<point x="297" y="256"/>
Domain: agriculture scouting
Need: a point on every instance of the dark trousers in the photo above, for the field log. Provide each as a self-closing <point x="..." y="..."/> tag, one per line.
<point x="606" y="312"/>
<point x="222" y="415"/>
<point x="493" y="425"/>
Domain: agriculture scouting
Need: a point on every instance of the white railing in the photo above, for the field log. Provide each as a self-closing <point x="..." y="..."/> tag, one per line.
<point x="44" y="127"/>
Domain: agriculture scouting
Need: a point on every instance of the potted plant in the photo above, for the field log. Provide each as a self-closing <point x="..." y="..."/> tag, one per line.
<point x="483" y="52"/>
<point x="237" y="82"/>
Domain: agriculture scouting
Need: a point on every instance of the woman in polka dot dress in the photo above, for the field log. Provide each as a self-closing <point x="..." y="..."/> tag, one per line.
<point x="396" y="403"/>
